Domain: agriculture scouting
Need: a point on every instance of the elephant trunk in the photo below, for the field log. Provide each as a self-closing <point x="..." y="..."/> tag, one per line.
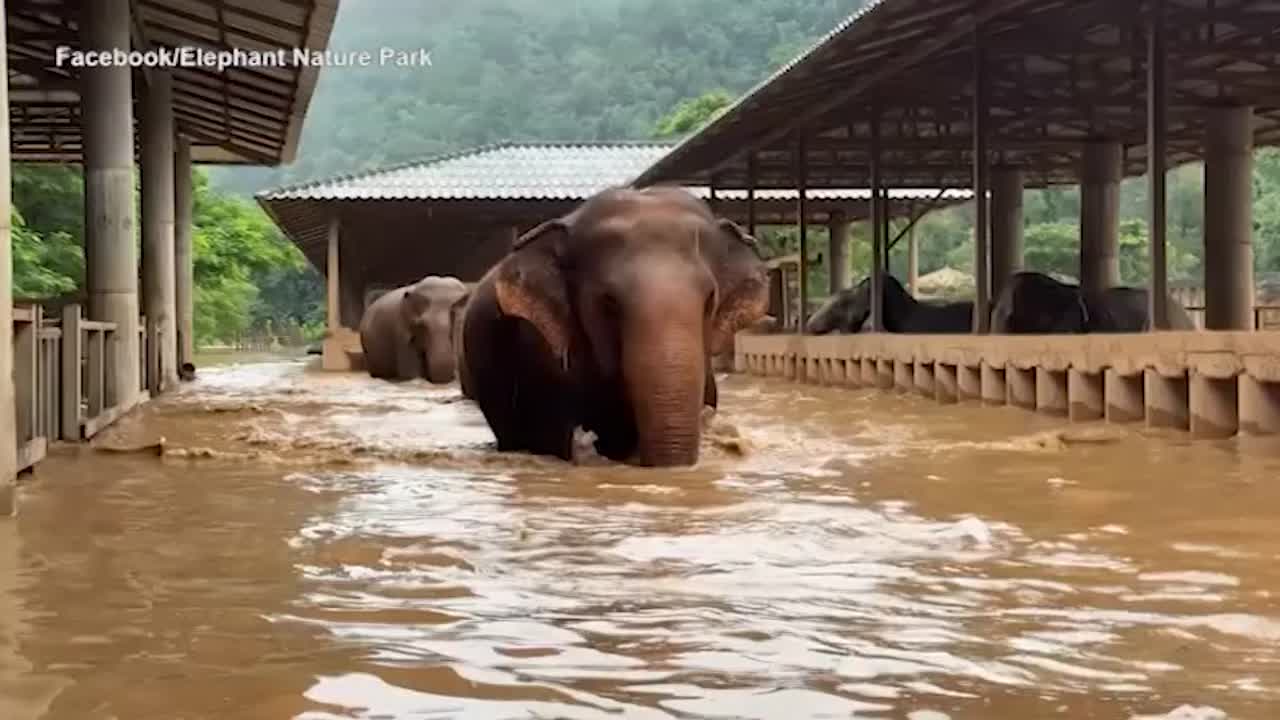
<point x="664" y="370"/>
<point x="438" y="357"/>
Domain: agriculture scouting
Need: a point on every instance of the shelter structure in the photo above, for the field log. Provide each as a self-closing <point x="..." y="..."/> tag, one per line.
<point x="457" y="214"/>
<point x="165" y="107"/>
<point x="1001" y="95"/>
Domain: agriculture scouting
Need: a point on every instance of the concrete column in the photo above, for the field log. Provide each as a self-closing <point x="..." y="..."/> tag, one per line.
<point x="1228" y="218"/>
<point x="1167" y="403"/>
<point x="1100" y="175"/>
<point x="870" y="372"/>
<point x="333" y="296"/>
<point x="904" y="379"/>
<point x="884" y="374"/>
<point x="1085" y="394"/>
<point x="838" y="253"/>
<point x="111" y="255"/>
<point x="946" y="384"/>
<point x="924" y="379"/>
<point x="994" y="389"/>
<point x="158" y="257"/>
<point x="1022" y="386"/>
<point x="1051" y="392"/>
<point x="1215" y="406"/>
<point x="1124" y="397"/>
<point x="8" y="410"/>
<point x="913" y="260"/>
<point x="183" y="256"/>
<point x="1006" y="226"/>
<point x="1259" y="406"/>
<point x="969" y="382"/>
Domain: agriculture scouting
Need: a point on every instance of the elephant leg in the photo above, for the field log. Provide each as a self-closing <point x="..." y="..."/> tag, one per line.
<point x="710" y="393"/>
<point x="528" y="404"/>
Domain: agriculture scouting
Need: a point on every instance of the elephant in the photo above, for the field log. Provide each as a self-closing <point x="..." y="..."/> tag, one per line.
<point x="607" y="319"/>
<point x="849" y="311"/>
<point x="407" y="333"/>
<point x="1034" y="303"/>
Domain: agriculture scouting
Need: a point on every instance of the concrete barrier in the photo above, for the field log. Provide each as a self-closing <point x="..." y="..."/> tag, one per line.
<point x="1212" y="384"/>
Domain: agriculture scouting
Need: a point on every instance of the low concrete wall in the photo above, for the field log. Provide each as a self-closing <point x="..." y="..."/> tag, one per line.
<point x="1213" y="384"/>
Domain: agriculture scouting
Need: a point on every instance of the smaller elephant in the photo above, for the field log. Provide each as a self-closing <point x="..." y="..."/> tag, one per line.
<point x="1033" y="303"/>
<point x="407" y="333"/>
<point x="849" y="311"/>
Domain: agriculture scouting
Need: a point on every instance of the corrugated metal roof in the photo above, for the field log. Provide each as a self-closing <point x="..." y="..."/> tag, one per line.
<point x="532" y="171"/>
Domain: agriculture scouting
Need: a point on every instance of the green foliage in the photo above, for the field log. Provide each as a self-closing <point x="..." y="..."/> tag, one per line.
<point x="562" y="70"/>
<point x="247" y="274"/>
<point x="692" y="113"/>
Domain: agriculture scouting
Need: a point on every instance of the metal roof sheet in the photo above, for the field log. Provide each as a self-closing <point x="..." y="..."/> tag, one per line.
<point x="532" y="171"/>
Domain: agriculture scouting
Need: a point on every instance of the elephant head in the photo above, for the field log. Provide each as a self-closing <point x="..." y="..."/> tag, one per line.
<point x="428" y="309"/>
<point x="849" y="311"/>
<point x="633" y="293"/>
<point x="1036" y="304"/>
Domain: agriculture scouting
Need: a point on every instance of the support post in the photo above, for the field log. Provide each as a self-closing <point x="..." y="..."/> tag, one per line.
<point x="111" y="255"/>
<point x="837" y="252"/>
<point x="982" y="225"/>
<point x="802" y="220"/>
<point x="72" y="390"/>
<point x="1157" y="168"/>
<point x="1006" y="226"/>
<point x="8" y="431"/>
<point x="158" y="252"/>
<point x="334" y="286"/>
<point x="751" y="194"/>
<point x="1100" y="174"/>
<point x="913" y="253"/>
<point x="1228" y="219"/>
<point x="183" y="257"/>
<point x="878" y="239"/>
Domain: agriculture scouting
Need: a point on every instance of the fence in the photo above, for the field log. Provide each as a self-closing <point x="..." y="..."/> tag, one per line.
<point x="1213" y="384"/>
<point x="62" y="373"/>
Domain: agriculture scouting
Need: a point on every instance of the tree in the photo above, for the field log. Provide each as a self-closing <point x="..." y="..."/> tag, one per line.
<point x="691" y="114"/>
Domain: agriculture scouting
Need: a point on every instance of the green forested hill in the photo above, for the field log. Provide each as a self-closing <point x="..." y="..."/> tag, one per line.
<point x="533" y="70"/>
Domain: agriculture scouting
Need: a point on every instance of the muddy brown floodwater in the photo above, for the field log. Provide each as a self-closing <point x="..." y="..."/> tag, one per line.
<point x="318" y="547"/>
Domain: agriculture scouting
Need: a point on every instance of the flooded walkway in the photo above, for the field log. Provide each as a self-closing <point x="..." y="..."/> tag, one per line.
<point x="322" y="547"/>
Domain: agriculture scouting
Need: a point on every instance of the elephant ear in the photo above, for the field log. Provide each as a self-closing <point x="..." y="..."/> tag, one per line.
<point x="743" y="283"/>
<point x="530" y="284"/>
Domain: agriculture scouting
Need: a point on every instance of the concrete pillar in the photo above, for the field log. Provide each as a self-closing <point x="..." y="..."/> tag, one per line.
<point x="158" y="265"/>
<point x="1215" y="406"/>
<point x="1022" y="387"/>
<point x="1259" y="406"/>
<point x="870" y="372"/>
<point x="1124" y="397"/>
<point x="924" y="379"/>
<point x="1228" y="218"/>
<point x="969" y="382"/>
<point x="904" y="379"/>
<point x="913" y="259"/>
<point x="1085" y="396"/>
<point x="1051" y="392"/>
<point x="1100" y="174"/>
<point x="1167" y="403"/>
<point x="838" y="252"/>
<point x="884" y="374"/>
<point x="183" y="256"/>
<point x="333" y="295"/>
<point x="993" y="387"/>
<point x="111" y="255"/>
<point x="8" y="410"/>
<point x="946" y="384"/>
<point x="1006" y="226"/>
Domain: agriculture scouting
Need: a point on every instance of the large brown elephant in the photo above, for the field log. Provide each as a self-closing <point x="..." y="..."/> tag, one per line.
<point x="407" y="332"/>
<point x="607" y="319"/>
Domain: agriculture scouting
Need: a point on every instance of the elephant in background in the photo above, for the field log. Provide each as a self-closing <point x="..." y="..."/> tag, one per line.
<point x="849" y="311"/>
<point x="1034" y="303"/>
<point x="407" y="333"/>
<point x="607" y="319"/>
